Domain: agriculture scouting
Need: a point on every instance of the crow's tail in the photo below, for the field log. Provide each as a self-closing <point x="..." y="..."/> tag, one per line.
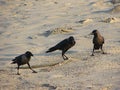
<point x="13" y="61"/>
<point x="51" y="49"/>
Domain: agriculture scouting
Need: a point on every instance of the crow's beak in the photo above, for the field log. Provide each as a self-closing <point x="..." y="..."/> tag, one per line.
<point x="90" y="33"/>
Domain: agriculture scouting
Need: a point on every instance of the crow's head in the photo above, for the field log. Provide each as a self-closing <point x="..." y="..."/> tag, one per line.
<point x="28" y="53"/>
<point x="94" y="32"/>
<point x="71" y="39"/>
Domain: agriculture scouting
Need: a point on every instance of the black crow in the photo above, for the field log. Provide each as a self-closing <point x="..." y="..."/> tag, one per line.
<point x="23" y="59"/>
<point x="98" y="41"/>
<point x="63" y="46"/>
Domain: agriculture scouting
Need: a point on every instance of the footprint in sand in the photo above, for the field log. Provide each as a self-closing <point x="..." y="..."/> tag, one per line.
<point x="115" y="1"/>
<point x="61" y="30"/>
<point x="49" y="86"/>
<point x="85" y="21"/>
<point x="111" y="20"/>
<point x="115" y="9"/>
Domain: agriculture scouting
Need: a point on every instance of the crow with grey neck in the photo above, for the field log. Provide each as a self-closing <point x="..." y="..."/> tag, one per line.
<point x="63" y="46"/>
<point x="98" y="41"/>
<point x="23" y="59"/>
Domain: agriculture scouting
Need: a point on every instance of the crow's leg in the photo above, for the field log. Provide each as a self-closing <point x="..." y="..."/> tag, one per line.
<point x="102" y="49"/>
<point x="18" y="70"/>
<point x="64" y="56"/>
<point x="31" y="68"/>
<point x="93" y="51"/>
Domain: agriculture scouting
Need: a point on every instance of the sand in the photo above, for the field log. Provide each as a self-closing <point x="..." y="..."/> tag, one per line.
<point x="36" y="25"/>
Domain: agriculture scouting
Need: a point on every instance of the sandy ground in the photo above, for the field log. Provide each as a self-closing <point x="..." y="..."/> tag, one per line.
<point x="36" y="25"/>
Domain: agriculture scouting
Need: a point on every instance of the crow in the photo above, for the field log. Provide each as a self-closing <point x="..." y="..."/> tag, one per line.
<point x="98" y="41"/>
<point x="23" y="59"/>
<point x="63" y="46"/>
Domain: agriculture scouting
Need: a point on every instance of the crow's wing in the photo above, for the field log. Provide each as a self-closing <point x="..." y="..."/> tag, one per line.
<point x="62" y="44"/>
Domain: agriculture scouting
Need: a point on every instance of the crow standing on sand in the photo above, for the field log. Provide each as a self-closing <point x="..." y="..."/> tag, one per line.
<point x="98" y="41"/>
<point x="23" y="59"/>
<point x="63" y="46"/>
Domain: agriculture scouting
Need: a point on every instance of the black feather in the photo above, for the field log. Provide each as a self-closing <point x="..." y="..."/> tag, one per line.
<point x="63" y="45"/>
<point x="23" y="59"/>
<point x="98" y="40"/>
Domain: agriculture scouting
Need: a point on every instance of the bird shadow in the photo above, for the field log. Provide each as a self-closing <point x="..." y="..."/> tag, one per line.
<point x="3" y="3"/>
<point x="41" y="66"/>
<point x="103" y="11"/>
<point x="99" y="53"/>
<point x="50" y="87"/>
<point x="55" y="53"/>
